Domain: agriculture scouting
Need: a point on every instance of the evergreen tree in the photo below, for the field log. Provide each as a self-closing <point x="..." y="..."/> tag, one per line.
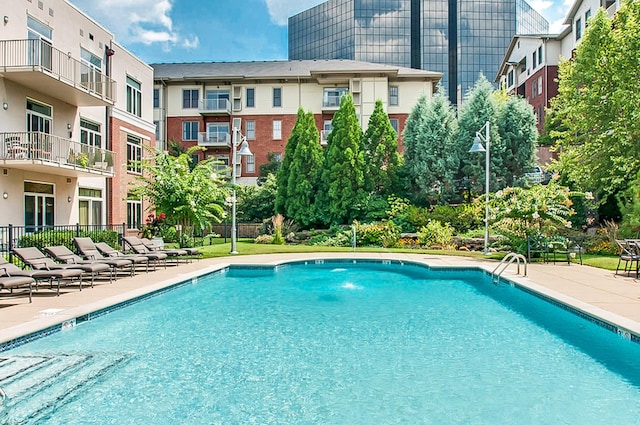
<point x="381" y="156"/>
<point x="430" y="158"/>
<point x="304" y="175"/>
<point x="282" y="178"/>
<point x="478" y="108"/>
<point x="342" y="185"/>
<point x="519" y="135"/>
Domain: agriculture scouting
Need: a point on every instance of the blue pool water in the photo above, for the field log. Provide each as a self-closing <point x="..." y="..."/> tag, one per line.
<point x="333" y="343"/>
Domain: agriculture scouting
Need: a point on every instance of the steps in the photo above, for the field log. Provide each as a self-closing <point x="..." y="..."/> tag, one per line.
<point x="37" y="385"/>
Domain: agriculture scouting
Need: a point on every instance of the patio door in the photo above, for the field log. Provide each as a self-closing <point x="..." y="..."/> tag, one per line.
<point x="39" y="206"/>
<point x="40" y="50"/>
<point x="39" y="125"/>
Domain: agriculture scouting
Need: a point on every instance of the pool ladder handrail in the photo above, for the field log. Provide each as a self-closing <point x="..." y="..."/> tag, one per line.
<point x="506" y="262"/>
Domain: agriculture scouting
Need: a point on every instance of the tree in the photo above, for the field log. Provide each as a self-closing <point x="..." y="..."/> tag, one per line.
<point x="256" y="203"/>
<point x="519" y="135"/>
<point x="193" y="198"/>
<point x="282" y="178"/>
<point x="598" y="104"/>
<point x="342" y="185"/>
<point x="381" y="156"/>
<point x="430" y="159"/>
<point x="478" y="108"/>
<point x="271" y="167"/>
<point x="305" y="171"/>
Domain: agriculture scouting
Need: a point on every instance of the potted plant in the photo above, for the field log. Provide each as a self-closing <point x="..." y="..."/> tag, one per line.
<point x="108" y="157"/>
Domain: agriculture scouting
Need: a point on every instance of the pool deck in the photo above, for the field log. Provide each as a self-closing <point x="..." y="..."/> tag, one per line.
<point x="613" y="299"/>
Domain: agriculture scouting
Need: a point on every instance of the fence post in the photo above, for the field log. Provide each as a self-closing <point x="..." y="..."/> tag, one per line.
<point x="11" y="243"/>
<point x="77" y="230"/>
<point x="124" y="227"/>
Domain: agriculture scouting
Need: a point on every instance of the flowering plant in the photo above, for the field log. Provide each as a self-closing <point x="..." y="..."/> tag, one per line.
<point x="154" y="225"/>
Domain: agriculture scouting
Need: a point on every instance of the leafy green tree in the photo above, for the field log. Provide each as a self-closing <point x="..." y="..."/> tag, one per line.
<point x="271" y="167"/>
<point x="256" y="203"/>
<point x="381" y="156"/>
<point x="478" y="108"/>
<point x="282" y="178"/>
<point x="342" y="184"/>
<point x="598" y="103"/>
<point x="193" y="198"/>
<point x="430" y="158"/>
<point x="517" y="128"/>
<point x="305" y="171"/>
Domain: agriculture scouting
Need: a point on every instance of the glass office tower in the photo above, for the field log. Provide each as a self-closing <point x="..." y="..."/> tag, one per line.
<point x="460" y="38"/>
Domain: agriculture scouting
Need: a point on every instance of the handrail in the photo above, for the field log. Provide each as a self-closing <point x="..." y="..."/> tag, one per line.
<point x="506" y="262"/>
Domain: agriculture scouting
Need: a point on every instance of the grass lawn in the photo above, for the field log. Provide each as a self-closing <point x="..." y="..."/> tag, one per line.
<point x="246" y="247"/>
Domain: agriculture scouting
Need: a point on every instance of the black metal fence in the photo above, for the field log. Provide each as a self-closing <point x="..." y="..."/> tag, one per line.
<point x="22" y="236"/>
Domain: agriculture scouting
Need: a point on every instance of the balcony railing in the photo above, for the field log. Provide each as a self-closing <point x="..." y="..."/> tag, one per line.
<point x="215" y="106"/>
<point x="219" y="139"/>
<point x="38" y="55"/>
<point x="43" y="148"/>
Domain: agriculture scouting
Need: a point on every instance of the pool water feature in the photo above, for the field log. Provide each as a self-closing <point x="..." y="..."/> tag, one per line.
<point x="330" y="343"/>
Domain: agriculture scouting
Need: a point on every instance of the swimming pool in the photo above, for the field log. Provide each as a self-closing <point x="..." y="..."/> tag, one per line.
<point x="329" y="343"/>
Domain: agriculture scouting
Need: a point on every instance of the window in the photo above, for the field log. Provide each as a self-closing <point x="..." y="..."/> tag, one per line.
<point x="190" y="130"/>
<point x="277" y="129"/>
<point x="393" y="95"/>
<point x="251" y="98"/>
<point x="157" y="126"/>
<point x="134" y="213"/>
<point x="587" y="15"/>
<point x="578" y="29"/>
<point x="134" y="97"/>
<point x="218" y="133"/>
<point x="134" y="154"/>
<point x="539" y="114"/>
<point x="510" y="79"/>
<point x="190" y="98"/>
<point x="277" y="97"/>
<point x="277" y="156"/>
<point x="156" y="98"/>
<point x="39" y="50"/>
<point x="540" y="55"/>
<point x="39" y="205"/>
<point x="332" y="96"/>
<point x="395" y="124"/>
<point x="534" y="59"/>
<point x="250" y="130"/>
<point x="251" y="164"/>
<point x="540" y="84"/>
<point x="90" y="71"/>
<point x="534" y="89"/>
<point x="326" y="129"/>
<point x="90" y="133"/>
<point x="218" y="100"/>
<point x="90" y="206"/>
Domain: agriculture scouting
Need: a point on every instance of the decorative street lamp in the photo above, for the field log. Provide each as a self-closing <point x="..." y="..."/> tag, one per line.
<point x="477" y="147"/>
<point x="237" y="139"/>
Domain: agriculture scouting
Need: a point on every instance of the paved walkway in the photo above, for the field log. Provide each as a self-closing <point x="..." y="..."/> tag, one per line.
<point x="595" y="291"/>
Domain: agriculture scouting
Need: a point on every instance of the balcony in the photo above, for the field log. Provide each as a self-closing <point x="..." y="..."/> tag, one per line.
<point x="214" y="107"/>
<point x="215" y="140"/>
<point x="46" y="153"/>
<point x="38" y="65"/>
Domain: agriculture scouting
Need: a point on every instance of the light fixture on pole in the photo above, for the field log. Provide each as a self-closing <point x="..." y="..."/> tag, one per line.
<point x="244" y="151"/>
<point x="477" y="147"/>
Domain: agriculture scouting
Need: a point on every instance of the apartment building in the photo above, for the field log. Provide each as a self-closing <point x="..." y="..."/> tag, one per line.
<point x="529" y="67"/>
<point x="76" y="109"/>
<point x="201" y="103"/>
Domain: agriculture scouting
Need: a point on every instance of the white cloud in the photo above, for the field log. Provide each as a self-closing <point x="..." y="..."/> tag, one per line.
<point x="540" y="5"/>
<point x="556" y="26"/>
<point x="137" y="21"/>
<point x="192" y="43"/>
<point x="280" y="10"/>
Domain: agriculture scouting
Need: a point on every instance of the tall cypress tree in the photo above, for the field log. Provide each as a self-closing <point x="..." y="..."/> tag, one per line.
<point x="282" y="178"/>
<point x="519" y="134"/>
<point x="381" y="156"/>
<point x="304" y="175"/>
<point x="342" y="194"/>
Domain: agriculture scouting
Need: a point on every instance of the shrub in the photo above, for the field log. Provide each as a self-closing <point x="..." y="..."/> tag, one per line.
<point x="437" y="234"/>
<point x="461" y="217"/>
<point x="264" y="239"/>
<point x="277" y="221"/>
<point x="385" y="234"/>
<point x="65" y="237"/>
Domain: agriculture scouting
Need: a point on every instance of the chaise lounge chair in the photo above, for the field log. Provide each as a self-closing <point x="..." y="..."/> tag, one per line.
<point x="13" y="282"/>
<point x="88" y="249"/>
<point x="138" y="247"/>
<point x="64" y="255"/>
<point x="136" y="244"/>
<point x="51" y="276"/>
<point x="190" y="252"/>
<point x="110" y="252"/>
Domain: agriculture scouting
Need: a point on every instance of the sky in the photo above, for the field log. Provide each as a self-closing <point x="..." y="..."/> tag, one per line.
<point x="174" y="31"/>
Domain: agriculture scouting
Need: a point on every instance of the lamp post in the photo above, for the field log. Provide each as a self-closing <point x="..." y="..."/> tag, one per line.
<point x="244" y="151"/>
<point x="477" y="147"/>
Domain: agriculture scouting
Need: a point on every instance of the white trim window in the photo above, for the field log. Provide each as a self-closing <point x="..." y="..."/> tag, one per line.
<point x="250" y="164"/>
<point x="134" y="154"/>
<point x="134" y="213"/>
<point x="89" y="206"/>
<point x="134" y="97"/>
<point x="190" y="130"/>
<point x="250" y="129"/>
<point x="393" y="96"/>
<point x="277" y="129"/>
<point x="90" y="133"/>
